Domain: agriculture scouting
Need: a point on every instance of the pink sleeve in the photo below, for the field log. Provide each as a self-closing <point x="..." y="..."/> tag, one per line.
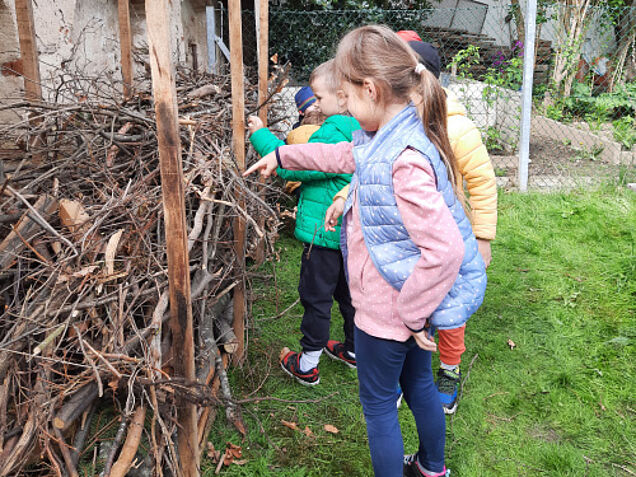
<point x="433" y="229"/>
<point x="335" y="158"/>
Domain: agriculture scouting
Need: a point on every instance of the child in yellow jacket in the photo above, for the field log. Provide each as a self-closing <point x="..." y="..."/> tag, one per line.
<point x="476" y="169"/>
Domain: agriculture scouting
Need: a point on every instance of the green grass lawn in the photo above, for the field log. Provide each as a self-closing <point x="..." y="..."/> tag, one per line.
<point x="561" y="286"/>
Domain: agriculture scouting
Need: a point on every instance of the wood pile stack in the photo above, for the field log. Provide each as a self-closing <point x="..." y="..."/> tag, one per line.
<point x="83" y="272"/>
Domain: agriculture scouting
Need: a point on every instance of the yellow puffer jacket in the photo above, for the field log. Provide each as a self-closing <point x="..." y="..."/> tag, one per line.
<point x="474" y="166"/>
<point x="300" y="135"/>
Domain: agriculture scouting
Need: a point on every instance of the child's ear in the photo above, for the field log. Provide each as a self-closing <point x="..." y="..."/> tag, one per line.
<point x="341" y="96"/>
<point x="370" y="89"/>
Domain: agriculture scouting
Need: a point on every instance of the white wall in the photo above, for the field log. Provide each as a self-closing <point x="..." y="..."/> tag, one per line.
<point x="83" y="35"/>
<point x="10" y="84"/>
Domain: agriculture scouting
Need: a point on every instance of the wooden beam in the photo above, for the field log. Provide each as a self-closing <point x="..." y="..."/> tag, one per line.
<point x="30" y="68"/>
<point x="28" y="50"/>
<point x="125" y="44"/>
<point x="263" y="55"/>
<point x="165" y="97"/>
<point x="238" y="142"/>
<point x="262" y="47"/>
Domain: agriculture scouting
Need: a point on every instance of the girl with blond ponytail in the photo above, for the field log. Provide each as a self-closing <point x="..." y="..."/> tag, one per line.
<point x="411" y="257"/>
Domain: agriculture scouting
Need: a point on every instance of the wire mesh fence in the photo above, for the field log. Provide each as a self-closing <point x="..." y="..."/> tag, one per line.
<point x="584" y="91"/>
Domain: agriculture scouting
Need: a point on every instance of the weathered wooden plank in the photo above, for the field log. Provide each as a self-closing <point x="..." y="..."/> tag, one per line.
<point x="165" y="98"/>
<point x="238" y="141"/>
<point x="28" y="50"/>
<point x="125" y="43"/>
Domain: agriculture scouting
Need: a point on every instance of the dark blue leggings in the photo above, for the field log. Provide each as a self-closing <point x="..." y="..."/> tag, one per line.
<point x="381" y="363"/>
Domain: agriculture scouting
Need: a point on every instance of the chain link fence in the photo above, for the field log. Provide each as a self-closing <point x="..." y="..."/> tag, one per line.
<point x="584" y="90"/>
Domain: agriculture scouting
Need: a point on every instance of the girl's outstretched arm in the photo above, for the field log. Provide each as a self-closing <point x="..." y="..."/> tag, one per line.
<point x="336" y="158"/>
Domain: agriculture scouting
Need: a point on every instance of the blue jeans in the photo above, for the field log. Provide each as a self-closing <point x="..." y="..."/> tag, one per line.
<point x="381" y="365"/>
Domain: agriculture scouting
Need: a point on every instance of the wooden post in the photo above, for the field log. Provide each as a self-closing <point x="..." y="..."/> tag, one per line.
<point x="165" y="97"/>
<point x="125" y="44"/>
<point x="238" y="142"/>
<point x="30" y="67"/>
<point x="28" y="50"/>
<point x="262" y="48"/>
<point x="263" y="55"/>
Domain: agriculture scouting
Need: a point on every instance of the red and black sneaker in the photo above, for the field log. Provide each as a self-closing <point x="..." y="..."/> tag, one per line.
<point x="291" y="365"/>
<point x="336" y="350"/>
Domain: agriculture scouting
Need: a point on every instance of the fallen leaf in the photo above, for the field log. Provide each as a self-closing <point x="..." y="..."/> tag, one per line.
<point x="274" y="58"/>
<point x="332" y="429"/>
<point x="511" y="344"/>
<point x="292" y="425"/>
<point x="308" y="432"/>
<point x="212" y="453"/>
<point x="111" y="251"/>
<point x="283" y="352"/>
<point x="235" y="450"/>
<point x="240" y="462"/>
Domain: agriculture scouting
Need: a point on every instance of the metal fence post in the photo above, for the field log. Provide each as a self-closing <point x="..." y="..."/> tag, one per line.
<point x="526" y="94"/>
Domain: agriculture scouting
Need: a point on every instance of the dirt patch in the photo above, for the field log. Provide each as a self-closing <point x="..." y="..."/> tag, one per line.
<point x="554" y="159"/>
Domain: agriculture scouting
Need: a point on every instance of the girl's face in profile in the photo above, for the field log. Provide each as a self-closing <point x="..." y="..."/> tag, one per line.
<point x="361" y="105"/>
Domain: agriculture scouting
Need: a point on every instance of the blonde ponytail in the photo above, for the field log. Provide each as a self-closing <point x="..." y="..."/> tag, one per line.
<point x="432" y="109"/>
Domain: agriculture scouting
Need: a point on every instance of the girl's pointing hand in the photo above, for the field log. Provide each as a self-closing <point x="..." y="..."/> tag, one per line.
<point x="267" y="166"/>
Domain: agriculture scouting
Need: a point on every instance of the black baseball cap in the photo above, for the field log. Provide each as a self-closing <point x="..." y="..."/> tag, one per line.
<point x="428" y="55"/>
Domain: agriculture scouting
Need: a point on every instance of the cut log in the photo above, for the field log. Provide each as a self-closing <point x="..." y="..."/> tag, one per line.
<point x="75" y="406"/>
<point x="24" y="231"/>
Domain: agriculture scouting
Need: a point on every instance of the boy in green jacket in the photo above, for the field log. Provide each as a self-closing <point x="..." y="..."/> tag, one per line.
<point x="322" y="275"/>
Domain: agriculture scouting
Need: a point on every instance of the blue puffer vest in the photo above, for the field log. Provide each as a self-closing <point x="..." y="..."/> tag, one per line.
<point x="391" y="249"/>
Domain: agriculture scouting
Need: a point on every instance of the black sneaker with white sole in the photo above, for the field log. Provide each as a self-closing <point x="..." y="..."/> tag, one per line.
<point x="336" y="350"/>
<point x="291" y="365"/>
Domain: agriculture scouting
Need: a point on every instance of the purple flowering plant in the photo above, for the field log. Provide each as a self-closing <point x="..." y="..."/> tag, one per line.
<point x="506" y="70"/>
<point x="501" y="62"/>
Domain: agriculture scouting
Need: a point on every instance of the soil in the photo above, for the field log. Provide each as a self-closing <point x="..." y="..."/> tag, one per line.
<point x="554" y="159"/>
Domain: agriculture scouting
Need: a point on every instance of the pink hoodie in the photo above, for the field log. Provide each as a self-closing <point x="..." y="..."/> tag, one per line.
<point x="381" y="310"/>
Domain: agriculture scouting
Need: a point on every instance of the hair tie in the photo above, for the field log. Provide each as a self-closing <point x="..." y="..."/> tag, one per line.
<point x="419" y="68"/>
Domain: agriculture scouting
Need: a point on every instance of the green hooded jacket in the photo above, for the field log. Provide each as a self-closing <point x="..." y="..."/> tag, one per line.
<point x="318" y="188"/>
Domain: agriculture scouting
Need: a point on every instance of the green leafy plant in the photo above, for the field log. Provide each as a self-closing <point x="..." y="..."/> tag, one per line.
<point x="582" y="103"/>
<point x="493" y="139"/>
<point x="624" y="130"/>
<point x="308" y="36"/>
<point x="590" y="153"/>
<point x="501" y="172"/>
<point x="464" y="60"/>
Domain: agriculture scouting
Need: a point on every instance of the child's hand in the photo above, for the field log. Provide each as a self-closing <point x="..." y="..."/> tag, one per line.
<point x="484" y="249"/>
<point x="254" y="123"/>
<point x="424" y="341"/>
<point x="267" y="166"/>
<point x="333" y="214"/>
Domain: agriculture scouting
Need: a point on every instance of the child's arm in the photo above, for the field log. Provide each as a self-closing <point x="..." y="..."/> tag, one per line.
<point x="334" y="158"/>
<point x="476" y="168"/>
<point x="432" y="228"/>
<point x="264" y="141"/>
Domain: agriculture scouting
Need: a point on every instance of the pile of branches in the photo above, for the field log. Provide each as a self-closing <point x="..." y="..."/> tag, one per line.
<point x="83" y="272"/>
